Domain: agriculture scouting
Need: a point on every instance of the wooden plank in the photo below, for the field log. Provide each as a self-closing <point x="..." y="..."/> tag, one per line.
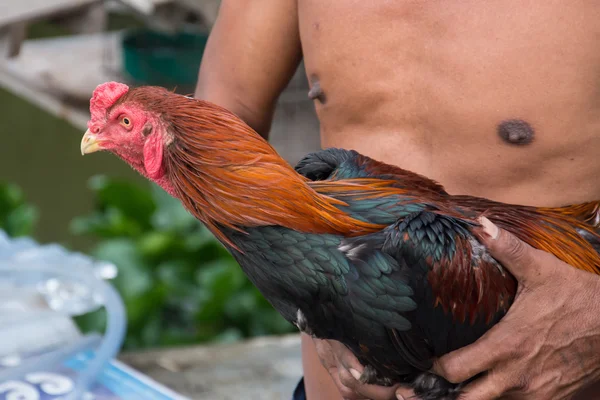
<point x="74" y="115"/>
<point x="91" y="19"/>
<point x="207" y="8"/>
<point x="60" y="74"/>
<point x="266" y="368"/>
<point x="23" y="10"/>
<point x="16" y="35"/>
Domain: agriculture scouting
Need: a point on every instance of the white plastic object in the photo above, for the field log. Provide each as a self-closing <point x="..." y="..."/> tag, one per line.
<point x="42" y="285"/>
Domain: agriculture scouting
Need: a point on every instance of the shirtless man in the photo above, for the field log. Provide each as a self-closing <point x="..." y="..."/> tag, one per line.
<point x="496" y="99"/>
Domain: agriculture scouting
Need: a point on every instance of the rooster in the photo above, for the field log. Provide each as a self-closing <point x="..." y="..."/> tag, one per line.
<point x="343" y="246"/>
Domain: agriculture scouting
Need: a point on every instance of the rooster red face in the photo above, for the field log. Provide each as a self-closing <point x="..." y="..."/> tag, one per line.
<point x="125" y="128"/>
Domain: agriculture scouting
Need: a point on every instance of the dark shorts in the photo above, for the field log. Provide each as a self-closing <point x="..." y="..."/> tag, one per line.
<point x="299" y="392"/>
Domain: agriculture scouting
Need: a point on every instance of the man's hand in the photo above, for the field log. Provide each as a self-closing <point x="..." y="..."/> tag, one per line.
<point x="548" y="344"/>
<point x="345" y="370"/>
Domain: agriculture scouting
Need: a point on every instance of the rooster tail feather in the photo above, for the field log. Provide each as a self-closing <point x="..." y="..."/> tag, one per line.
<point x="592" y="239"/>
<point x="585" y="212"/>
<point x="588" y="213"/>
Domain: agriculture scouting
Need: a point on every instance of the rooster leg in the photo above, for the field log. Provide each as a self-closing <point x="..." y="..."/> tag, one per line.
<point x="428" y="386"/>
<point x="369" y="376"/>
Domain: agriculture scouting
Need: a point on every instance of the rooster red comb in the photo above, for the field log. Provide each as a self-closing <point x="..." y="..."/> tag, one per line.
<point x="105" y="95"/>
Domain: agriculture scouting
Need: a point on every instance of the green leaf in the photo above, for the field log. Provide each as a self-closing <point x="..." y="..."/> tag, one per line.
<point x="11" y="197"/>
<point x="170" y="215"/>
<point x="134" y="277"/>
<point x="109" y="223"/>
<point x="92" y="322"/>
<point x="17" y="217"/>
<point x="220" y="279"/>
<point x="153" y="244"/>
<point x="21" y="221"/>
<point x="151" y="332"/>
<point x="270" y="321"/>
<point x="148" y="303"/>
<point x="177" y="276"/>
<point x="242" y="304"/>
<point x="230" y="335"/>
<point x="133" y="202"/>
<point x="198" y="239"/>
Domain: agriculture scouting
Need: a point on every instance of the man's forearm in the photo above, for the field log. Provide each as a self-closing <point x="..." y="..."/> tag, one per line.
<point x="251" y="55"/>
<point x="259" y="119"/>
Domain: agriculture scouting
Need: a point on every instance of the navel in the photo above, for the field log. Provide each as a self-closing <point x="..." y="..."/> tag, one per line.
<point x="316" y="92"/>
<point x="516" y="131"/>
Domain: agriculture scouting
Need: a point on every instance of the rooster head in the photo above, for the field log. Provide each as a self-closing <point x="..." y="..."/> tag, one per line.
<point x="128" y="128"/>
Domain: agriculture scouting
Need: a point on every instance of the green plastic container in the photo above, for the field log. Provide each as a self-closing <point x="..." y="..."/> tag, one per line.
<point x="156" y="58"/>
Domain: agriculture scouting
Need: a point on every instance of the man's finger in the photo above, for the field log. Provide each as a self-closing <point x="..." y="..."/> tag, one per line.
<point x="469" y="361"/>
<point x="403" y="393"/>
<point x="345" y="384"/>
<point x="486" y="388"/>
<point x="378" y="392"/>
<point x="514" y="254"/>
<point x="350" y="379"/>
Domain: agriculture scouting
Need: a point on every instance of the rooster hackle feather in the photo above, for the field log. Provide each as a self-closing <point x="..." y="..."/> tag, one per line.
<point x="345" y="247"/>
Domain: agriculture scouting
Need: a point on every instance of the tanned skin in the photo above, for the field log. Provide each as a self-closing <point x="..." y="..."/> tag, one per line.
<point x="494" y="99"/>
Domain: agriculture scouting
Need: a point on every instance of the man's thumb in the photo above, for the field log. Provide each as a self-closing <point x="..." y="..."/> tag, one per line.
<point x="514" y="254"/>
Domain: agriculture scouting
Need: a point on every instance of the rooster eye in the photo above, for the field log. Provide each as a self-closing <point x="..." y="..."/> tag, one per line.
<point x="126" y="122"/>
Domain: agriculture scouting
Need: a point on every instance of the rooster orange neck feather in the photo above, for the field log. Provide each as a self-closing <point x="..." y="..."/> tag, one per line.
<point x="226" y="175"/>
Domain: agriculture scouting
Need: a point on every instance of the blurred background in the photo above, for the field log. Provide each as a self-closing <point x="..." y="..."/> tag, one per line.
<point x="179" y="285"/>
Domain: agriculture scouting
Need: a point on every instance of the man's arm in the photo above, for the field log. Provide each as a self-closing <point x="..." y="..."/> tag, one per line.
<point x="317" y="381"/>
<point x="251" y="55"/>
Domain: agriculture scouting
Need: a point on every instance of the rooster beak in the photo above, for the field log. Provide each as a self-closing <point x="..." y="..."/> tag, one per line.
<point x="89" y="143"/>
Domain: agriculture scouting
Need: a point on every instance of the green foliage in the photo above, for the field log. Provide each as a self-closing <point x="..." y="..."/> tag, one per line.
<point x="17" y="217"/>
<point x="179" y="284"/>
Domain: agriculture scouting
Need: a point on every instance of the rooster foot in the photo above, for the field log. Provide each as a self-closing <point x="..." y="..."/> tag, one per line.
<point x="429" y="386"/>
<point x="369" y="376"/>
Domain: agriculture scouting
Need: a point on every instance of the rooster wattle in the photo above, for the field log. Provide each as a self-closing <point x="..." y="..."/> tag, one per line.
<point x="345" y="247"/>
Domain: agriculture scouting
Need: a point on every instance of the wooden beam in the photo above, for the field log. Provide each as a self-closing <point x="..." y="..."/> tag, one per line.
<point x="264" y="368"/>
<point x="208" y="9"/>
<point x="89" y="19"/>
<point x="17" y="33"/>
<point x="25" y="10"/>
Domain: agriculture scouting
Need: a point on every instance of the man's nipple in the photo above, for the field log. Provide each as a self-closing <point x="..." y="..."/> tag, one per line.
<point x="516" y="131"/>
<point x="316" y="92"/>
